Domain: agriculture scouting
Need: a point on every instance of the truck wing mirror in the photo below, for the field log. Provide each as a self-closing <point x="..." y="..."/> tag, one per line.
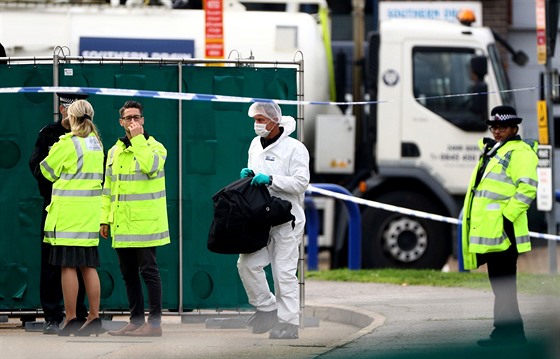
<point x="520" y="58"/>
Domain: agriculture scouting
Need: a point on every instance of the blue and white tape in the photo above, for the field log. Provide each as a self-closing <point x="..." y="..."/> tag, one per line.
<point x="222" y="98"/>
<point x="206" y="97"/>
<point x="168" y="95"/>
<point x="407" y="211"/>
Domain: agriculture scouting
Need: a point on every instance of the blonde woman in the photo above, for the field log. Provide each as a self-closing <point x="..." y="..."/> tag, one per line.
<point x="75" y="166"/>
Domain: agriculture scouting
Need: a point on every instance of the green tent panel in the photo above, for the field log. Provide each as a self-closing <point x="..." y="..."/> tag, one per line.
<point x="213" y="143"/>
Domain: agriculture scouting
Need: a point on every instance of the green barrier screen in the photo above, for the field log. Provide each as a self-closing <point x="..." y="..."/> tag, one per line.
<point x="214" y="141"/>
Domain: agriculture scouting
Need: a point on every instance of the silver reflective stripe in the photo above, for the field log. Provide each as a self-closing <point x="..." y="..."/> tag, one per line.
<point x="141" y="237"/>
<point x="79" y="152"/>
<point x="141" y="196"/>
<point x="106" y="191"/>
<point x="111" y="155"/>
<point x="491" y="195"/>
<point x="493" y="206"/>
<point x="522" y="239"/>
<point x="155" y="165"/>
<point x="76" y="192"/>
<point x="74" y="235"/>
<point x="487" y="241"/>
<point x="502" y="177"/>
<point x="137" y="177"/>
<point x="523" y="198"/>
<point x="82" y="176"/>
<point x="528" y="181"/>
<point x="133" y="177"/>
<point x="49" y="169"/>
<point x="504" y="162"/>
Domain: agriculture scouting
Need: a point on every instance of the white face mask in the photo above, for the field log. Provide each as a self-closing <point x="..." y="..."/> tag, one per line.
<point x="260" y="129"/>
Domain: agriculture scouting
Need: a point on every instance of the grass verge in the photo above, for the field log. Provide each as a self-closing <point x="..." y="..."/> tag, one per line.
<point x="543" y="284"/>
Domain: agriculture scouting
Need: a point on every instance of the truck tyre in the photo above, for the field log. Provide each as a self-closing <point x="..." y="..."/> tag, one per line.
<point x="395" y="240"/>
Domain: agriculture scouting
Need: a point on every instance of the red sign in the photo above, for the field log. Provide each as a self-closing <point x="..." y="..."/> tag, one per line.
<point x="541" y="31"/>
<point x="214" y="23"/>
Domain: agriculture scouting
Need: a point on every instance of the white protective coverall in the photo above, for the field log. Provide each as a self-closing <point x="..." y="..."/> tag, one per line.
<point x="287" y="160"/>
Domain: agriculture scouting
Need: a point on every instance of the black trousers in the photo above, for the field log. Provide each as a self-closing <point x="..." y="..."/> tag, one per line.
<point x="502" y="273"/>
<point x="136" y="262"/>
<point x="50" y="286"/>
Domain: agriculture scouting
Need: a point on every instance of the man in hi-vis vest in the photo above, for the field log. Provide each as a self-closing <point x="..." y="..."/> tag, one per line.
<point x="495" y="225"/>
<point x="134" y="207"/>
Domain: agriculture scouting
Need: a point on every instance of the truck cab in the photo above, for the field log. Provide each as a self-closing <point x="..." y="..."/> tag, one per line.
<point x="435" y="83"/>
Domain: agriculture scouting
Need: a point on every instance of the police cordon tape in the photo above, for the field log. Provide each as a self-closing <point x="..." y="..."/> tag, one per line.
<point x="410" y="212"/>
<point x="162" y="95"/>
<point x="222" y="98"/>
<point x="214" y="98"/>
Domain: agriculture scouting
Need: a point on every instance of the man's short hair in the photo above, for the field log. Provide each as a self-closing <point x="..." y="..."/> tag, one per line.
<point x="131" y="104"/>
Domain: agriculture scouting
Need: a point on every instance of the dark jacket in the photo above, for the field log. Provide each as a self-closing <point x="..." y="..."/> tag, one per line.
<point x="48" y="136"/>
<point x="243" y="216"/>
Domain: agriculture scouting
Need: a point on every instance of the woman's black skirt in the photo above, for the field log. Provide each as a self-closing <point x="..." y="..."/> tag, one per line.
<point x="73" y="256"/>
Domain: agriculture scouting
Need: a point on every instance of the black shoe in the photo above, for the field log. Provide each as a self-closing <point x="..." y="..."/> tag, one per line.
<point x="93" y="327"/>
<point x="71" y="327"/>
<point x="51" y="327"/>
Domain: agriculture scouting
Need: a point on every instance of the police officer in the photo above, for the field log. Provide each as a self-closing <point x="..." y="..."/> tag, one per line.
<point x="495" y="224"/>
<point x="50" y="290"/>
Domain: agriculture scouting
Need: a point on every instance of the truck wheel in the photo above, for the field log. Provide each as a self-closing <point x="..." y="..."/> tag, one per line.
<point x="395" y="240"/>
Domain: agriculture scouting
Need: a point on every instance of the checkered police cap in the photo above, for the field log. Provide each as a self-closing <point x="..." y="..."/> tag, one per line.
<point x="67" y="98"/>
<point x="504" y="115"/>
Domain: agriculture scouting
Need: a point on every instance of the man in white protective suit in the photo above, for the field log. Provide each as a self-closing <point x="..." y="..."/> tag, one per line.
<point x="281" y="163"/>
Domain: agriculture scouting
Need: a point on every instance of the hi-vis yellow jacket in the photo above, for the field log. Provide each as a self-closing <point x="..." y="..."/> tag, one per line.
<point x="75" y="165"/>
<point x="507" y="188"/>
<point x="133" y="200"/>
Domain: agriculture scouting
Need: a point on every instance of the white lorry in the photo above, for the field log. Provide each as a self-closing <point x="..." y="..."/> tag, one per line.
<point x="414" y="148"/>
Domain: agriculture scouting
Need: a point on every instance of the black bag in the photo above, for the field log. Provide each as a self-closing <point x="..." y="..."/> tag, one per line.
<point x="243" y="216"/>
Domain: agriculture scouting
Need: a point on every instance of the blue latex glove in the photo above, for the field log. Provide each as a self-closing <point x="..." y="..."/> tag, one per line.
<point x="260" y="180"/>
<point x="246" y="172"/>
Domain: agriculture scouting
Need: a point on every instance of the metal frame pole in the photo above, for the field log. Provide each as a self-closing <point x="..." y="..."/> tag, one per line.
<point x="551" y="215"/>
<point x="180" y="159"/>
